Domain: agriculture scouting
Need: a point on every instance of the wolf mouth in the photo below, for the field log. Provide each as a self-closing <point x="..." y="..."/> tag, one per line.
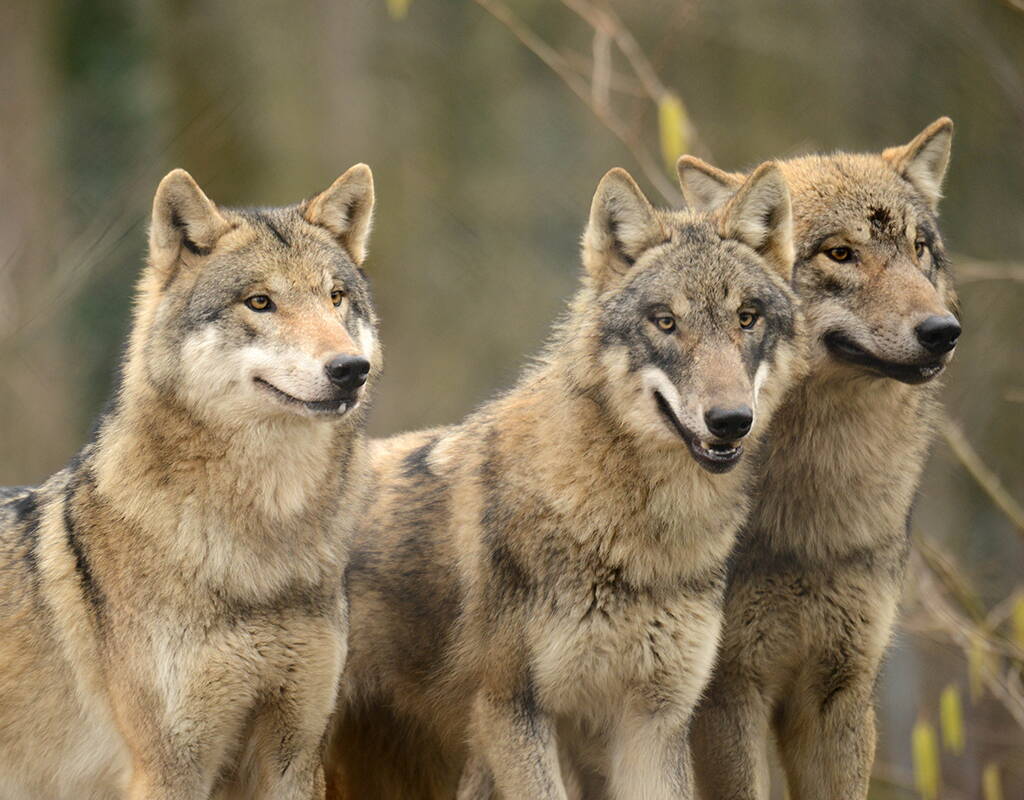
<point x="337" y="405"/>
<point x="714" y="456"/>
<point x="847" y="350"/>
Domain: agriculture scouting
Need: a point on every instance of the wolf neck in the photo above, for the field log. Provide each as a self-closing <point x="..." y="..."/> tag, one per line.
<point x="151" y="448"/>
<point x="843" y="465"/>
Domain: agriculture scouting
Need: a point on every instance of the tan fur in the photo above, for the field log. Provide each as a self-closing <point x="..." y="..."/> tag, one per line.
<point x="171" y="624"/>
<point x="816" y="578"/>
<point x="544" y="579"/>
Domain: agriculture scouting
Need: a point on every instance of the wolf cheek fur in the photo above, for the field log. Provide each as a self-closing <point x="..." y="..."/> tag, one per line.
<point x="817" y="575"/>
<point x="171" y="621"/>
<point x="545" y="578"/>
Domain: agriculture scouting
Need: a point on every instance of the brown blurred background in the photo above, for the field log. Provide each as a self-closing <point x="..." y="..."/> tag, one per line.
<point x="485" y="159"/>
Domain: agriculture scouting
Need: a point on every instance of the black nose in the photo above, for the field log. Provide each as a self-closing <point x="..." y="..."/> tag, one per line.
<point x="938" y="335"/>
<point x="729" y="423"/>
<point x="347" y="372"/>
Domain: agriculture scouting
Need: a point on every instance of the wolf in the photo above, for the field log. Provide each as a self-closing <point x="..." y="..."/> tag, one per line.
<point x="172" y="622"/>
<point x="815" y="580"/>
<point x="547" y="576"/>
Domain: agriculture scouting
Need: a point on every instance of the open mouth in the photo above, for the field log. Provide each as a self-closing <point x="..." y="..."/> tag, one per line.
<point x="714" y="455"/>
<point x="846" y="350"/>
<point x="335" y="405"/>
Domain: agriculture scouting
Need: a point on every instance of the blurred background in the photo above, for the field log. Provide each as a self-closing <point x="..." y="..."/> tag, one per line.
<point x="488" y="125"/>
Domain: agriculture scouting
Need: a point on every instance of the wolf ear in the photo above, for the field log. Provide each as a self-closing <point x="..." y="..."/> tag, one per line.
<point x="705" y="187"/>
<point x="760" y="216"/>
<point x="622" y="225"/>
<point x="346" y="210"/>
<point x="183" y="218"/>
<point x="924" y="160"/>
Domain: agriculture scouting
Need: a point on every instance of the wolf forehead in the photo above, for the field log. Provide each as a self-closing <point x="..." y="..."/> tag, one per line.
<point x="277" y="248"/>
<point x="856" y="195"/>
<point x="696" y="267"/>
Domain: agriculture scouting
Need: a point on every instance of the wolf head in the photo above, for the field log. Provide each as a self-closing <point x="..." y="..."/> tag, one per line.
<point x="871" y="269"/>
<point x="694" y="326"/>
<point x="258" y="313"/>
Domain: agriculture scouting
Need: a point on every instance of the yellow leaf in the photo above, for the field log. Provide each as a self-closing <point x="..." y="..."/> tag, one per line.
<point x="673" y="128"/>
<point x="398" y="9"/>
<point x="1018" y="620"/>
<point x="926" y="760"/>
<point x="991" y="783"/>
<point x="980" y="662"/>
<point x="951" y="717"/>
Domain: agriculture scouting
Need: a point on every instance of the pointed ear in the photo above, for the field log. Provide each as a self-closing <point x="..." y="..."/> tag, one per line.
<point x="346" y="210"/>
<point x="924" y="160"/>
<point x="622" y="225"/>
<point x="760" y="216"/>
<point x="705" y="187"/>
<point x="183" y="218"/>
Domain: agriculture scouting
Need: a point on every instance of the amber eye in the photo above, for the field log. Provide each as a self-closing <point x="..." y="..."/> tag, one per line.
<point x="260" y="302"/>
<point x="839" y="254"/>
<point x="665" y="322"/>
<point x="919" y="248"/>
<point x="748" y="319"/>
<point x="337" y="296"/>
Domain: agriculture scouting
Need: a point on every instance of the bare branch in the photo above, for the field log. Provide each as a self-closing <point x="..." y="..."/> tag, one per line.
<point x="648" y="164"/>
<point x="972" y="270"/>
<point x="601" y="80"/>
<point x="982" y="474"/>
<point x="943" y="617"/>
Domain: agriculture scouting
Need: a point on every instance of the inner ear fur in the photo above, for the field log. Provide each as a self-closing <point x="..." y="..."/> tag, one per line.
<point x="923" y="161"/>
<point x="346" y="210"/>
<point x="760" y="215"/>
<point x="184" y="218"/>
<point x="622" y="225"/>
<point x="706" y="188"/>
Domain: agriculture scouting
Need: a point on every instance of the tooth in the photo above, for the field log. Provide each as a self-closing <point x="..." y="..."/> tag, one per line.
<point x="342" y="408"/>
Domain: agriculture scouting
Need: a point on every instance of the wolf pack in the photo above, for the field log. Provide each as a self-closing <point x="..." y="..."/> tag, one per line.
<point x="676" y="544"/>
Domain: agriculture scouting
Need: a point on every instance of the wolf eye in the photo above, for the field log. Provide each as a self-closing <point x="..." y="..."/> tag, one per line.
<point x="839" y="254"/>
<point x="260" y="302"/>
<point x="337" y="296"/>
<point x="919" y="248"/>
<point x="748" y="319"/>
<point x="665" y="322"/>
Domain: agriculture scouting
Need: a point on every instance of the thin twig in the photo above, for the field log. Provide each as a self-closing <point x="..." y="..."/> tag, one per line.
<point x="557" y="64"/>
<point x="601" y="81"/>
<point x="966" y="635"/>
<point x="972" y="270"/>
<point x="617" y="81"/>
<point x="982" y="474"/>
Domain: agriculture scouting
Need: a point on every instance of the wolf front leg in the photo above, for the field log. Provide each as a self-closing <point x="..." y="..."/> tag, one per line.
<point x="650" y="753"/>
<point x="476" y="782"/>
<point x="727" y="740"/>
<point x="177" y="753"/>
<point x="283" y="757"/>
<point x="516" y="741"/>
<point x="827" y="742"/>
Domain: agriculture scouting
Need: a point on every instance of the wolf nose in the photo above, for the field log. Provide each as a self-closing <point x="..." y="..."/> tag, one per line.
<point x="938" y="335"/>
<point x="729" y="423"/>
<point x="347" y="372"/>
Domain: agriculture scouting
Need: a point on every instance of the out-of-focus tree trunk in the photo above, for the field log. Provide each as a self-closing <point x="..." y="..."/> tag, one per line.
<point x="35" y="396"/>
